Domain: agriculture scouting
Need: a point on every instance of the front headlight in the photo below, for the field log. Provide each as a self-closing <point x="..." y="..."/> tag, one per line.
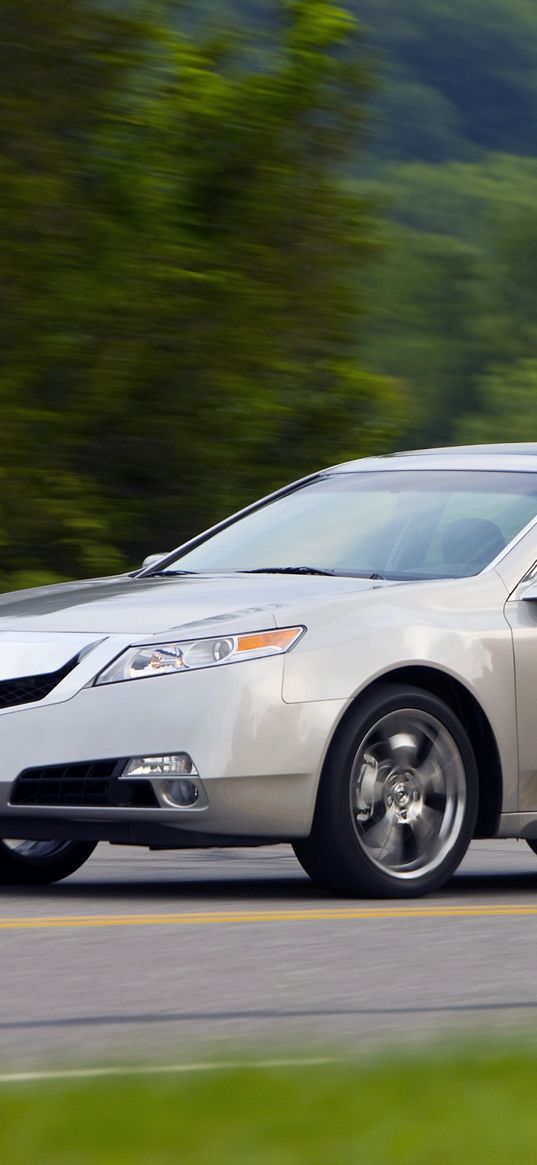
<point x="169" y="658"/>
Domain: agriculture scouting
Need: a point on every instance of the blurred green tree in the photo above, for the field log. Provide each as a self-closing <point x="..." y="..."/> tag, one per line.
<point x="61" y="62"/>
<point x="245" y="294"/>
<point x="506" y="409"/>
<point x="456" y="77"/>
<point x="455" y="296"/>
<point x="181" y="267"/>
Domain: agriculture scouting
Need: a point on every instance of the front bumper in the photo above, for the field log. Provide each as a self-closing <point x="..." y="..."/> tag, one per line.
<point x="259" y="758"/>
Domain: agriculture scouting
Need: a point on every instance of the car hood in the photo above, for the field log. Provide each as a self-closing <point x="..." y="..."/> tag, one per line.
<point x="151" y="605"/>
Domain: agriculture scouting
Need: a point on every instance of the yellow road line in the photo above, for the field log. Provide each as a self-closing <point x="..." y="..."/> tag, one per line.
<point x="230" y="917"/>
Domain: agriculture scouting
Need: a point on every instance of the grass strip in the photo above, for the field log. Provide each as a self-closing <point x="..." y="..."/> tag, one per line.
<point x="473" y="1105"/>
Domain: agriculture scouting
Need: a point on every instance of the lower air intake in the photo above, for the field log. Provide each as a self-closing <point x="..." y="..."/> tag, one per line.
<point x="94" y="784"/>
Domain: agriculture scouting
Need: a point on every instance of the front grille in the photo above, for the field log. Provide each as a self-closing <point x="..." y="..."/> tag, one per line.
<point x="94" y="784"/>
<point x="28" y="689"/>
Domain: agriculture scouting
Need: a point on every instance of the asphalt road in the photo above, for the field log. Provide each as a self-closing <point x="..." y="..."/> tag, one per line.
<point x="169" y="958"/>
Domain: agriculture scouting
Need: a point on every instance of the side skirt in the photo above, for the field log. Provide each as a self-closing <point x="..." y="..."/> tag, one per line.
<point x="517" y="825"/>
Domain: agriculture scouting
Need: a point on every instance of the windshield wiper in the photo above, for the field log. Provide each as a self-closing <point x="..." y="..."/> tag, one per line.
<point x="168" y="573"/>
<point x="288" y="570"/>
<point x="374" y="575"/>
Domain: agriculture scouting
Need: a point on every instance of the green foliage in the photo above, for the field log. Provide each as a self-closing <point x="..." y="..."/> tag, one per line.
<point x="475" y="62"/>
<point x="189" y="311"/>
<point x="179" y="273"/>
<point x="60" y="63"/>
<point x="455" y="77"/>
<point x="506" y="405"/>
<point x="456" y="297"/>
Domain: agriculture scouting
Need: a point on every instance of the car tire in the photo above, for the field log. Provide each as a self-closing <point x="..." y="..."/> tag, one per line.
<point x="397" y="801"/>
<point x="38" y="863"/>
<point x="532" y="842"/>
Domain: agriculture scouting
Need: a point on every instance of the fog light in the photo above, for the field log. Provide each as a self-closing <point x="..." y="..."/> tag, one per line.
<point x="178" y="764"/>
<point x="181" y="793"/>
<point x="174" y="777"/>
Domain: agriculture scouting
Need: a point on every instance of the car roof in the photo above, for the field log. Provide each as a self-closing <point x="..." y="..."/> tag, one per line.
<point x="521" y="456"/>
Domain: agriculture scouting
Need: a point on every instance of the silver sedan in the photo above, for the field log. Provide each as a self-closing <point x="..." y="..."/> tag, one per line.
<point x="349" y="665"/>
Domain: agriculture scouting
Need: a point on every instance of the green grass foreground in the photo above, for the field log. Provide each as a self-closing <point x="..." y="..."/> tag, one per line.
<point x="476" y="1107"/>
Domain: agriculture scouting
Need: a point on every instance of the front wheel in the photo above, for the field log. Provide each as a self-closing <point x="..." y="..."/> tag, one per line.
<point x="37" y="863"/>
<point x="397" y="801"/>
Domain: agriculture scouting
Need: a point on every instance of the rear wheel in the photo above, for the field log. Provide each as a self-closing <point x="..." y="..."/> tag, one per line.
<point x="397" y="801"/>
<point x="37" y="863"/>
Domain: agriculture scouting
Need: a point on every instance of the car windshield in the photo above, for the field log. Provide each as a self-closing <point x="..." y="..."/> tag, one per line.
<point x="395" y="524"/>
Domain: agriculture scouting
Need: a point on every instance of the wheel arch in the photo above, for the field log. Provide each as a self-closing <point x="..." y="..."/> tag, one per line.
<point x="469" y="711"/>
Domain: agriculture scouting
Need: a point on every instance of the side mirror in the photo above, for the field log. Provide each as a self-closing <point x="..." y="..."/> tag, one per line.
<point x="152" y="559"/>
